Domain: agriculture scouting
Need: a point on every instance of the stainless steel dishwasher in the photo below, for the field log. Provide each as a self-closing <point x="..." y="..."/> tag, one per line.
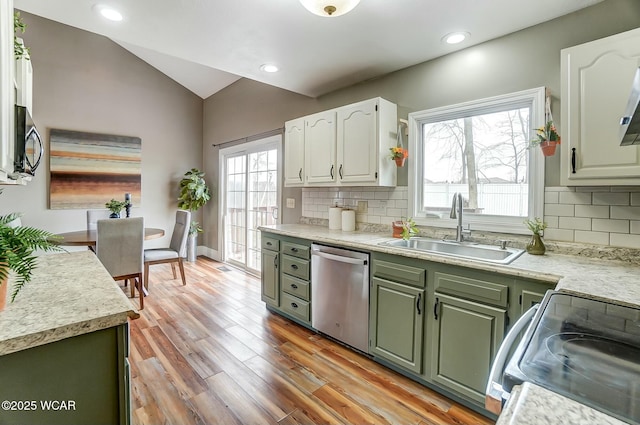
<point x="340" y="294"/>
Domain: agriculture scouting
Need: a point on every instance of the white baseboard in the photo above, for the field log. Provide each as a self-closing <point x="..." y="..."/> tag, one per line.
<point x="208" y="252"/>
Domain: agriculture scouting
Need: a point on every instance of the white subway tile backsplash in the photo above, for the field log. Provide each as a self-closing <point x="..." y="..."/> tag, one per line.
<point x="559" y="234"/>
<point x="551" y="197"/>
<point x="630" y="213"/>
<point x="611" y="198"/>
<point x="625" y="240"/>
<point x="576" y="223"/>
<point x="599" y="238"/>
<point x="594" y="215"/>
<point x="561" y="210"/>
<point x="608" y="225"/>
<point x="594" y="211"/>
<point x="575" y="198"/>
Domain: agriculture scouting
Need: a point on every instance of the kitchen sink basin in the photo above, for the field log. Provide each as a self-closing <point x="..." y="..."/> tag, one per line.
<point x="469" y="250"/>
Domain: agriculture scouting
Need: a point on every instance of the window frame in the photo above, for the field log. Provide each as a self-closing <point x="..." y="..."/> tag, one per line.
<point x="533" y="98"/>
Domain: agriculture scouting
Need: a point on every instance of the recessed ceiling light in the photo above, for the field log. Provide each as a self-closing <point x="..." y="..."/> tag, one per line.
<point x="455" y="37"/>
<point x="269" y="67"/>
<point x="108" y="12"/>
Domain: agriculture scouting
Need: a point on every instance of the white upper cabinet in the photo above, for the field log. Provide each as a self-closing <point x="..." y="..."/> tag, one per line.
<point x="294" y="153"/>
<point x="320" y="147"/>
<point x="345" y="146"/>
<point x="7" y="90"/>
<point x="366" y="132"/>
<point x="596" y="84"/>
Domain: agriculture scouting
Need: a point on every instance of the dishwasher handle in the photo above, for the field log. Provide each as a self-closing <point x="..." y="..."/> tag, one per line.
<point x="340" y="258"/>
<point x="494" y="392"/>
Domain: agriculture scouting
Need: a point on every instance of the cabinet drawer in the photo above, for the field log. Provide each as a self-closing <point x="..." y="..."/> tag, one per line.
<point x="294" y="286"/>
<point x="399" y="273"/>
<point x="270" y="243"/>
<point x="295" y="250"/>
<point x="474" y="289"/>
<point x="295" y="307"/>
<point x="295" y="267"/>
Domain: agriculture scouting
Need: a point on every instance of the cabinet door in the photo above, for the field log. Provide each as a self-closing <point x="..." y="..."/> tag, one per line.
<point x="528" y="294"/>
<point x="294" y="153"/>
<point x="596" y="84"/>
<point x="465" y="338"/>
<point x="396" y="323"/>
<point x="270" y="278"/>
<point x="7" y="91"/>
<point x="320" y="147"/>
<point x="357" y="142"/>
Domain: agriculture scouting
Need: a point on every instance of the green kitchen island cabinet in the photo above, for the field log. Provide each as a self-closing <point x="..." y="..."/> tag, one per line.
<point x="64" y="346"/>
<point x="396" y="308"/>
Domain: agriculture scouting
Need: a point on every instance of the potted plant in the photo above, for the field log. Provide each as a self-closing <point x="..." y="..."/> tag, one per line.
<point x="399" y="155"/>
<point x="547" y="138"/>
<point x="536" y="245"/>
<point x="115" y="207"/>
<point x="194" y="193"/>
<point x="404" y="228"/>
<point x="19" y="49"/>
<point x="17" y="245"/>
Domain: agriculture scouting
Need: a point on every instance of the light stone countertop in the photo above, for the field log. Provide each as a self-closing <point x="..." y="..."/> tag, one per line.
<point x="607" y="280"/>
<point x="69" y="294"/>
<point x="530" y="404"/>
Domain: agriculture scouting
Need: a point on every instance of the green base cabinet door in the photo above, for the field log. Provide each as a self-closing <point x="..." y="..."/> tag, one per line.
<point x="270" y="278"/>
<point x="396" y="323"/>
<point x="465" y="338"/>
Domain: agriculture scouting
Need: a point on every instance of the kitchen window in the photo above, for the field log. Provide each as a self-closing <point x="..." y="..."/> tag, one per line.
<point x="479" y="149"/>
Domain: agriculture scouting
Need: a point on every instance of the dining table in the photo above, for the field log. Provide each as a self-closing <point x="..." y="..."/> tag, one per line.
<point x="88" y="237"/>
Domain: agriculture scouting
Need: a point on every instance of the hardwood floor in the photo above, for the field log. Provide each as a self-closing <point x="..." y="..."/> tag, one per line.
<point x="211" y="353"/>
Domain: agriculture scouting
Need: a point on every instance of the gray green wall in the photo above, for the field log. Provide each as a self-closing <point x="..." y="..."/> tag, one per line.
<point x="86" y="82"/>
<point x="526" y="59"/>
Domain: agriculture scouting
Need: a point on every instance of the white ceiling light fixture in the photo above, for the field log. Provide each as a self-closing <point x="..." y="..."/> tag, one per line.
<point x="269" y="67"/>
<point x="329" y="8"/>
<point x="455" y="37"/>
<point x="108" y="12"/>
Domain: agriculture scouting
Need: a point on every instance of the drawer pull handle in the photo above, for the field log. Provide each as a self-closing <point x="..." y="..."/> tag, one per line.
<point x="294" y="286"/>
<point x="269" y="244"/>
<point x="294" y="249"/>
<point x="294" y="266"/>
<point x="418" y="303"/>
<point x="294" y="305"/>
<point x="435" y="309"/>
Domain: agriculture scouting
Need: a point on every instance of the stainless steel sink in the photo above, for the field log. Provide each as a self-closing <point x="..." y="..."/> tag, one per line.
<point x="469" y="250"/>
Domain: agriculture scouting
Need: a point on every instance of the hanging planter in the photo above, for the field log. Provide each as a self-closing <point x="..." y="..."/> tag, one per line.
<point x="400" y="161"/>
<point x="399" y="155"/>
<point x="548" y="147"/>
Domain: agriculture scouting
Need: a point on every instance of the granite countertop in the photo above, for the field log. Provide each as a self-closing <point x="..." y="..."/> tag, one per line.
<point x="606" y="280"/>
<point x="69" y="294"/>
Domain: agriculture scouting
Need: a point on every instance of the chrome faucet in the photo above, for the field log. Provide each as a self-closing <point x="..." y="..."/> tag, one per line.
<point x="456" y="212"/>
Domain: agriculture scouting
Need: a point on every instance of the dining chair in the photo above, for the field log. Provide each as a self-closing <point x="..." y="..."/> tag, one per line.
<point x="94" y="215"/>
<point x="176" y="251"/>
<point x="119" y="246"/>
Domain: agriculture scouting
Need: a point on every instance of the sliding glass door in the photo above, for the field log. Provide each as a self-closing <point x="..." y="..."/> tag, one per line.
<point x="250" y="173"/>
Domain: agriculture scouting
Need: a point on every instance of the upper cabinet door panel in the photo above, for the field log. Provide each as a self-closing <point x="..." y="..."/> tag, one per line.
<point x="7" y="91"/>
<point x="596" y="84"/>
<point x="320" y="147"/>
<point x="294" y="153"/>
<point x="358" y="142"/>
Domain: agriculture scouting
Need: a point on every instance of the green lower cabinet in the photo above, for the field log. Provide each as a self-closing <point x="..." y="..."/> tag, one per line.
<point x="465" y="337"/>
<point x="270" y="278"/>
<point x="396" y="323"/>
<point x="79" y="380"/>
<point x="529" y="293"/>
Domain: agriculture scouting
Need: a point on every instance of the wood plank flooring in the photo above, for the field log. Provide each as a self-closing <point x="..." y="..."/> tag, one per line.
<point x="211" y="353"/>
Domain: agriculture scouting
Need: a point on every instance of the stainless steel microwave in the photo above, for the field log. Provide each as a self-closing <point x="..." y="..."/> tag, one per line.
<point x="28" y="144"/>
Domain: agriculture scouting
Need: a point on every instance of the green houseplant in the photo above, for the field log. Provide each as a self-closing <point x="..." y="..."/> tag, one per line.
<point x="536" y="245"/>
<point x="194" y="194"/>
<point x="115" y="207"/>
<point x="404" y="228"/>
<point x="547" y="138"/>
<point x="19" y="49"/>
<point x="17" y="247"/>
